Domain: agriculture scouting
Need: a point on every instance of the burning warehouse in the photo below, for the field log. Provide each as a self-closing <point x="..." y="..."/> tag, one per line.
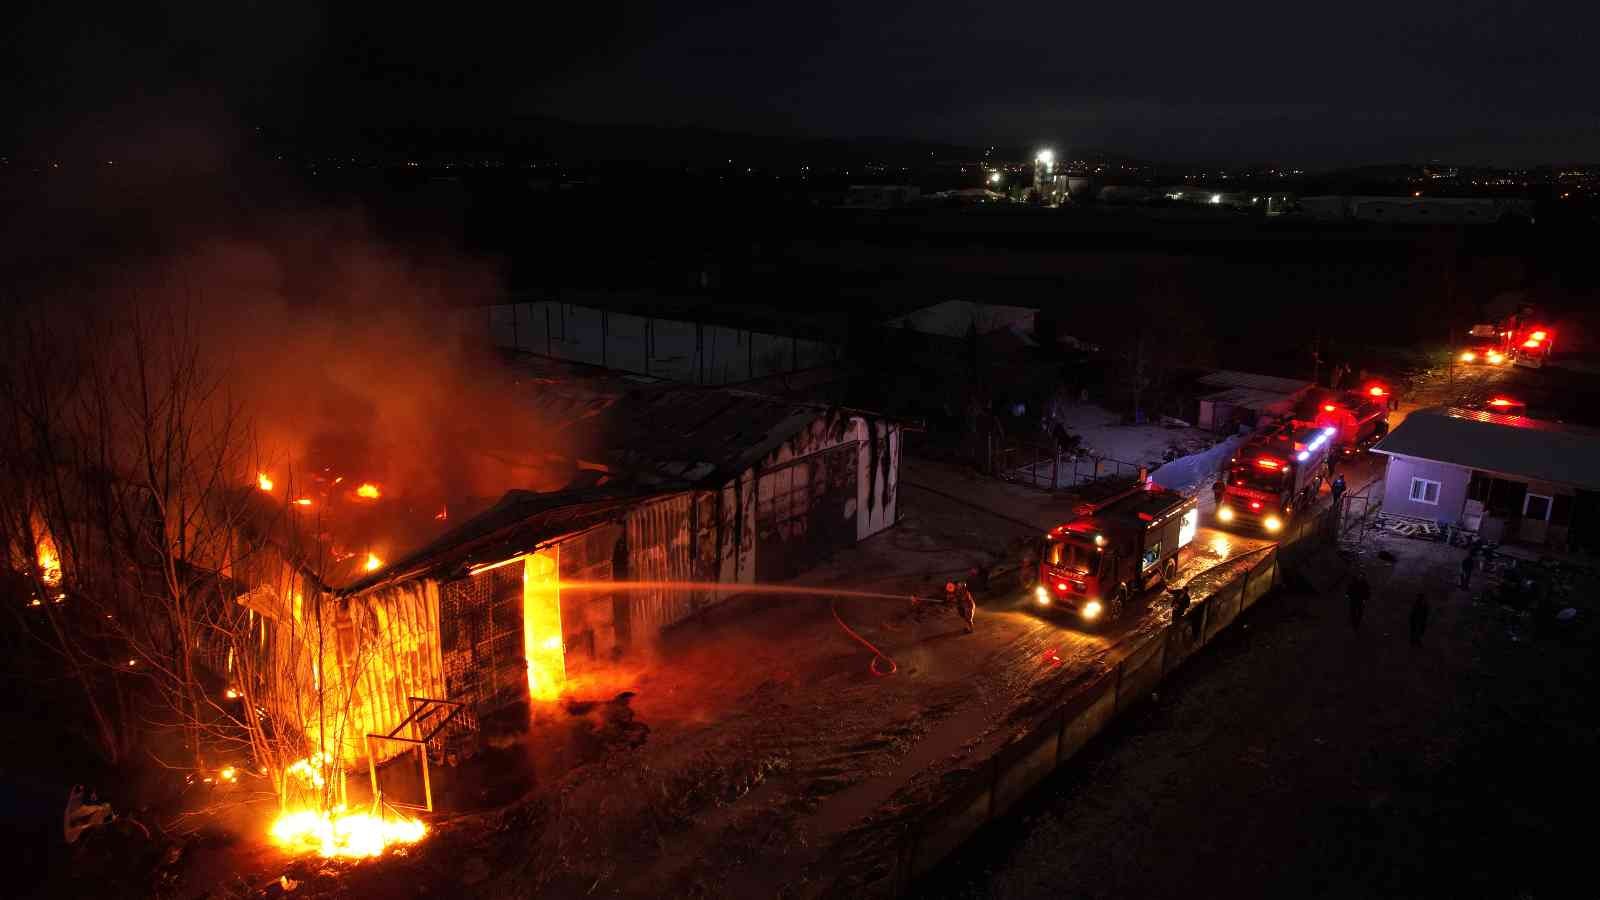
<point x="695" y="492"/>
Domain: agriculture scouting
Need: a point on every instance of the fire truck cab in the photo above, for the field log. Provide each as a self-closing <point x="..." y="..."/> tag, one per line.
<point x="1486" y="345"/>
<point x="1115" y="550"/>
<point x="1274" y="475"/>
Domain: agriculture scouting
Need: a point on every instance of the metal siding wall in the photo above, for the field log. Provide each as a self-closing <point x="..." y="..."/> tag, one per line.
<point x="399" y="657"/>
<point x="660" y="550"/>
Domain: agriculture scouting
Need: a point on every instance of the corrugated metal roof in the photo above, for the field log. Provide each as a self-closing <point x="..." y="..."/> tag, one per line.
<point x="1227" y="378"/>
<point x="679" y="433"/>
<point x="519" y="523"/>
<point x="953" y="318"/>
<point x="1508" y="445"/>
<point x="1252" y="398"/>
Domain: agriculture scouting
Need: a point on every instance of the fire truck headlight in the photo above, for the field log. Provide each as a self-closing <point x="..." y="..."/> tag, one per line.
<point x="1041" y="595"/>
<point x="1091" y="610"/>
<point x="1273" y="524"/>
<point x="1495" y="359"/>
<point x="1225" y="514"/>
<point x="1468" y="356"/>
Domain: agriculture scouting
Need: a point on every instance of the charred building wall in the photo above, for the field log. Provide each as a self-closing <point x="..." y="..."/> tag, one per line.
<point x="822" y="489"/>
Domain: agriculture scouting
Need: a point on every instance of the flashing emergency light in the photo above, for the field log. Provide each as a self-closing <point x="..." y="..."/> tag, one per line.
<point x="1328" y="407"/>
<point x="1531" y="344"/>
<point x="1538" y="335"/>
<point x="1303" y="455"/>
<point x="1501" y="401"/>
<point x="1266" y="463"/>
<point x="1376" y="390"/>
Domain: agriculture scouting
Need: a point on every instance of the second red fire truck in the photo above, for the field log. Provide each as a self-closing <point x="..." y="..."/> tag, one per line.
<point x="1275" y="475"/>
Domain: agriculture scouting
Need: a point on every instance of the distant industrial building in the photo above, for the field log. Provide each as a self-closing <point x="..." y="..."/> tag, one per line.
<point x="1509" y="478"/>
<point x="672" y="349"/>
<point x="1416" y="210"/>
<point x="880" y="196"/>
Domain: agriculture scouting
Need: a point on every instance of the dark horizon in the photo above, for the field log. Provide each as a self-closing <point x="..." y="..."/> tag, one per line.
<point x="1429" y="82"/>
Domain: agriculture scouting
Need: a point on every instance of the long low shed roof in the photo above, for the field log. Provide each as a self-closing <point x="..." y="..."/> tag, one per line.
<point x="1227" y="378"/>
<point x="1252" y="398"/>
<point x="1507" y="445"/>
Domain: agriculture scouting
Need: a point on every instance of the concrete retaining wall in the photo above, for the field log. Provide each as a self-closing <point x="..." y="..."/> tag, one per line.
<point x="1017" y="768"/>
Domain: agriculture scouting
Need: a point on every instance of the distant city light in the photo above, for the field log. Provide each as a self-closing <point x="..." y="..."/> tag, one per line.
<point x="994" y="177"/>
<point x="1046" y="156"/>
<point x="1216" y="198"/>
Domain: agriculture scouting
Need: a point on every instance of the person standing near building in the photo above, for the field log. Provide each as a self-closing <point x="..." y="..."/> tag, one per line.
<point x="1358" y="592"/>
<point x="1337" y="490"/>
<point x="1468" y="563"/>
<point x="1218" y="488"/>
<point x="1419" y="618"/>
<point x="966" y="606"/>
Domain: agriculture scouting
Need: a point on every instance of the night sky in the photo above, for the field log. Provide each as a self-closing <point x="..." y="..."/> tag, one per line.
<point x="1330" y="84"/>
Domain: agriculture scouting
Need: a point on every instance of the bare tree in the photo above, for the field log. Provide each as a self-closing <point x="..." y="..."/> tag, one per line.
<point x="189" y="608"/>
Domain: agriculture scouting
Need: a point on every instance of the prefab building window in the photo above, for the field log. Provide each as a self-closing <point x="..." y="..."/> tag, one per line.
<point x="1536" y="507"/>
<point x="1424" y="490"/>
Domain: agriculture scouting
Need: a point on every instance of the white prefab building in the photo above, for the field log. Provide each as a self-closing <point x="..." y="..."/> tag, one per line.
<point x="1510" y="478"/>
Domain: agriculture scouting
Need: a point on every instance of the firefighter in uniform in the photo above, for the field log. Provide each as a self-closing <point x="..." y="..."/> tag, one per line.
<point x="966" y="607"/>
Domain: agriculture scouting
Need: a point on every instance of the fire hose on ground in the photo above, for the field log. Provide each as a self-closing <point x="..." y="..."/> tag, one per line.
<point x="878" y="656"/>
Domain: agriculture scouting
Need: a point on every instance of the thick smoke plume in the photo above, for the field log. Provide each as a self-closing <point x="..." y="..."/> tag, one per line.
<point x="352" y="363"/>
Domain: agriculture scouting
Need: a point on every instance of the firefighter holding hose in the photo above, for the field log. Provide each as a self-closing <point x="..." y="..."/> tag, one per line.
<point x="966" y="607"/>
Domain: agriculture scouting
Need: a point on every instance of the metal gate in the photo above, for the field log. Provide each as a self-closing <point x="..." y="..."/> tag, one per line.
<point x="480" y="640"/>
<point x="805" y="511"/>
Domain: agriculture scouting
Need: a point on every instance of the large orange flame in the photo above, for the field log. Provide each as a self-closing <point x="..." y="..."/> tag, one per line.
<point x="338" y="832"/>
<point x="373" y="563"/>
<point x="264" y="481"/>
<point x="369" y="491"/>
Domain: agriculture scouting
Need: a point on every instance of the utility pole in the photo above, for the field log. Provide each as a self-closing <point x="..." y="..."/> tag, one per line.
<point x="1451" y="350"/>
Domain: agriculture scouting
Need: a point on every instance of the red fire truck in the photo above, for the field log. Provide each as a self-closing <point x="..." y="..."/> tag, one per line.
<point x="1117" y="547"/>
<point x="1276" y="474"/>
<point x="1487" y="345"/>
<point x="1531" y="345"/>
<point x="1521" y="338"/>
<point x="1358" y="418"/>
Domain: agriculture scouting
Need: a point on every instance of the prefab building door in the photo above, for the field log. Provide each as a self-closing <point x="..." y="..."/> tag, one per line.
<point x="805" y="511"/>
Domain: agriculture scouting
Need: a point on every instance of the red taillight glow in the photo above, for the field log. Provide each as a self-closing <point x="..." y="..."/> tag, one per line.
<point x="1376" y="391"/>
<point x="1328" y="407"/>
<point x="1266" y="463"/>
<point x="1531" y="343"/>
<point x="1255" y="504"/>
<point x="1500" y="401"/>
